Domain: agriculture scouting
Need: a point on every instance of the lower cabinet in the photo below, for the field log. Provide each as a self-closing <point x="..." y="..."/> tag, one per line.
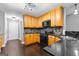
<point x="31" y="38"/>
<point x="52" y="39"/>
<point x="27" y="39"/>
<point x="1" y="41"/>
<point x="37" y="37"/>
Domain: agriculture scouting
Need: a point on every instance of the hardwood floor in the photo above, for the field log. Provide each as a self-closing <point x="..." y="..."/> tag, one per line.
<point x="15" y="48"/>
<point x="34" y="50"/>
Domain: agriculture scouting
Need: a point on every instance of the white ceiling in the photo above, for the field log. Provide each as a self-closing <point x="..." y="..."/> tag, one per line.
<point x="70" y="9"/>
<point x="40" y="8"/>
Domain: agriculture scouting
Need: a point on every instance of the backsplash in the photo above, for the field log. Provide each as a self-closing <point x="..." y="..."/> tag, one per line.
<point x="48" y="30"/>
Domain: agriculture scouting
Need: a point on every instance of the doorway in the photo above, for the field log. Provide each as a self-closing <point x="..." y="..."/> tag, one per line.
<point x="13" y="29"/>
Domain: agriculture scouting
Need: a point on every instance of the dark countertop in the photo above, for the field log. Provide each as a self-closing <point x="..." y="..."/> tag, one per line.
<point x="33" y="33"/>
<point x="56" y="49"/>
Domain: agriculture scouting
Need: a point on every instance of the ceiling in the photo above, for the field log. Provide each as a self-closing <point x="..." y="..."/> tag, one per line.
<point x="40" y="8"/>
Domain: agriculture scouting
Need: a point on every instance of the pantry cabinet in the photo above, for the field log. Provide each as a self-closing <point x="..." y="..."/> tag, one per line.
<point x="31" y="38"/>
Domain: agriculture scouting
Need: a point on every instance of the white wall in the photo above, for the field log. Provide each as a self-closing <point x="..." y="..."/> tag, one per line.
<point x="2" y="23"/>
<point x="18" y="16"/>
<point x="72" y="23"/>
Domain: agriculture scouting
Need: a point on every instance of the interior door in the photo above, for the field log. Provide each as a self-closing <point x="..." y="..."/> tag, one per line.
<point x="13" y="29"/>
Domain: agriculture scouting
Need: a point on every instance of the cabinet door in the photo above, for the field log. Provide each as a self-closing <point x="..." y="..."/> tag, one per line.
<point x="53" y="18"/>
<point x="1" y="41"/>
<point x="25" y="21"/>
<point x="27" y="39"/>
<point x="57" y="39"/>
<point x="40" y="22"/>
<point x="32" y="22"/>
<point x="36" y="23"/>
<point x="44" y="17"/>
<point x="51" y="40"/>
<point x="59" y="16"/>
<point x="48" y="16"/>
<point x="38" y="38"/>
<point x="35" y="38"/>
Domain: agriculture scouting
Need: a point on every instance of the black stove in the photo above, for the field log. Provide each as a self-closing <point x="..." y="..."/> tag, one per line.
<point x="43" y="40"/>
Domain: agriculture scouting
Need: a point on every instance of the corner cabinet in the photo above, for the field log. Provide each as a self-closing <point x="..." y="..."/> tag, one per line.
<point x="31" y="38"/>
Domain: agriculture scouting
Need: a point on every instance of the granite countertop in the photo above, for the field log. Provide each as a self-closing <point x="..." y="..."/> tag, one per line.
<point x="59" y="36"/>
<point x="33" y="33"/>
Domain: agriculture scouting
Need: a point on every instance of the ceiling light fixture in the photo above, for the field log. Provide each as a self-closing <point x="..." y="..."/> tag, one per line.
<point x="29" y="6"/>
<point x="75" y="11"/>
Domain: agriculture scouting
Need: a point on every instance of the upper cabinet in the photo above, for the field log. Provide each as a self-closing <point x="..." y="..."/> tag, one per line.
<point x="59" y="16"/>
<point x="40" y="22"/>
<point x="52" y="15"/>
<point x="55" y="15"/>
<point x="27" y="21"/>
<point x="48" y="14"/>
<point x="30" y="22"/>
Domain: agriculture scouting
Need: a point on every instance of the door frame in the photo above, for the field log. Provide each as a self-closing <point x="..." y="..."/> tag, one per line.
<point x="12" y="20"/>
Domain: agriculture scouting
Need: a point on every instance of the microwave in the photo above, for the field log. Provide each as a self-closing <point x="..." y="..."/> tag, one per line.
<point x="46" y="23"/>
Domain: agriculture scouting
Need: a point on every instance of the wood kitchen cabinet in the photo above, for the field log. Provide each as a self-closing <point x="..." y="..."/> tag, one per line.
<point x="31" y="38"/>
<point x="48" y="14"/>
<point x="55" y="15"/>
<point x="31" y="22"/>
<point x="52" y="17"/>
<point x="40" y="22"/>
<point x="36" y="22"/>
<point x="59" y="16"/>
<point x="27" y="21"/>
<point x="1" y="41"/>
<point x="27" y="39"/>
<point x="52" y="39"/>
<point x="38" y="38"/>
